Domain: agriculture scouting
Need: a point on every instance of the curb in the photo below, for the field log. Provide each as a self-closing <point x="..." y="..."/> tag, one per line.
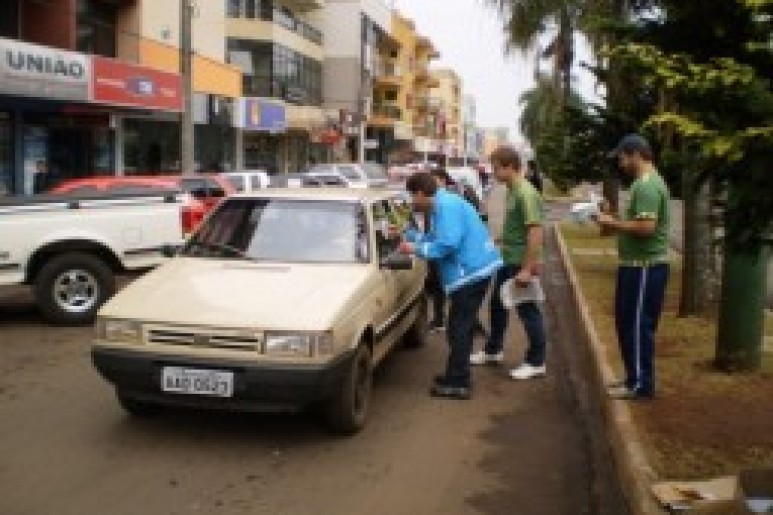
<point x="631" y="462"/>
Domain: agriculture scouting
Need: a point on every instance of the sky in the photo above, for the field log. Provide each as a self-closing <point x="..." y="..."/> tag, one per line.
<point x="469" y="36"/>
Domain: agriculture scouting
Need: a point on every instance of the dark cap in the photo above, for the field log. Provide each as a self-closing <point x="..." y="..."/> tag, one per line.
<point x="632" y="143"/>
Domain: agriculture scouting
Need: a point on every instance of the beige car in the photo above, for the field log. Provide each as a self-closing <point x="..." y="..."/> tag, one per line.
<point x="283" y="299"/>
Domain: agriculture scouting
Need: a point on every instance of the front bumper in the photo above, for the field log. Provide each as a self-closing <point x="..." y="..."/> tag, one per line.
<point x="257" y="387"/>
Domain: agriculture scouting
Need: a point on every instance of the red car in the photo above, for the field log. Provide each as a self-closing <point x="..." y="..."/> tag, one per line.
<point x="203" y="191"/>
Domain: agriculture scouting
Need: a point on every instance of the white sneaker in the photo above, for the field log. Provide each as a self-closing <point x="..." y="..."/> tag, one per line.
<point x="527" y="371"/>
<point x="483" y="358"/>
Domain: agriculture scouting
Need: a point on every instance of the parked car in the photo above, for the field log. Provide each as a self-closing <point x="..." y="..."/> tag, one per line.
<point x="366" y="175"/>
<point x="203" y="191"/>
<point x="70" y="249"/>
<point x="247" y="181"/>
<point x="294" y="180"/>
<point x="283" y="299"/>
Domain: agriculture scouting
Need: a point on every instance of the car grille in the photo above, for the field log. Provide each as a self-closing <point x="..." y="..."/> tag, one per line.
<point x="205" y="339"/>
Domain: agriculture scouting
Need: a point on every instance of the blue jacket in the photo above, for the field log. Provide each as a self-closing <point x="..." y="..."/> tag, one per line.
<point x="458" y="241"/>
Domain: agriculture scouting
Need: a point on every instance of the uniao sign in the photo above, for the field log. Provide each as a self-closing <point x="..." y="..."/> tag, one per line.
<point x="44" y="72"/>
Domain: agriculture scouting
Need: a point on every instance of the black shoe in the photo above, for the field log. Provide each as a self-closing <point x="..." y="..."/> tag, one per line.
<point x="446" y="391"/>
<point x="436" y="326"/>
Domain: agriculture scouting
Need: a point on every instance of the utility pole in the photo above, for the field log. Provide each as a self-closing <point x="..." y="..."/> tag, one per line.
<point x="187" y="155"/>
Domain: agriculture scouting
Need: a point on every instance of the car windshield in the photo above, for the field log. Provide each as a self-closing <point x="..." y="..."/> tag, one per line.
<point x="283" y="230"/>
<point x="349" y="172"/>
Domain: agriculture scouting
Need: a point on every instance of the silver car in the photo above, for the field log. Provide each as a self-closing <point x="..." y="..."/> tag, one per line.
<point x="354" y="175"/>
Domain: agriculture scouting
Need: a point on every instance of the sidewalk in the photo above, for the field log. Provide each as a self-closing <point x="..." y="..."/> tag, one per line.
<point x="703" y="423"/>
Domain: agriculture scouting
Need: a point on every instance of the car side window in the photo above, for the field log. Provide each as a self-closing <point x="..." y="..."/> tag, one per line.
<point x="255" y="182"/>
<point x="383" y="218"/>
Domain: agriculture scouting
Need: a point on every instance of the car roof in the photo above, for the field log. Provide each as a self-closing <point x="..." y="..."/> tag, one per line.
<point x="325" y="194"/>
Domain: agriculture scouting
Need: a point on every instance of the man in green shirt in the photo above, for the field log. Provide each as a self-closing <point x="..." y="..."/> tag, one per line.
<point x="521" y="247"/>
<point x="642" y="277"/>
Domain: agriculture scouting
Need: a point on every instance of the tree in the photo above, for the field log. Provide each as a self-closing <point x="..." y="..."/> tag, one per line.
<point x="723" y="112"/>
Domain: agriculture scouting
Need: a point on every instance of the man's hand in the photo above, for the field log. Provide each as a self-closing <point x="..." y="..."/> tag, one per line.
<point x="523" y="278"/>
<point x="606" y="221"/>
<point x="406" y="248"/>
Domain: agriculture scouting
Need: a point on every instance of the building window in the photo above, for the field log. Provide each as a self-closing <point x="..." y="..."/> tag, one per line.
<point x="252" y="9"/>
<point x="272" y="70"/>
<point x="96" y="27"/>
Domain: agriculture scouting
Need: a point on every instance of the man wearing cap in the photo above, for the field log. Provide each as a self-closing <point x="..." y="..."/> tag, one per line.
<point x="642" y="236"/>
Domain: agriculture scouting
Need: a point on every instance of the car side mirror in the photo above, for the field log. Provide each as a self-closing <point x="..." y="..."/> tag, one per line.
<point x="396" y="261"/>
<point x="169" y="250"/>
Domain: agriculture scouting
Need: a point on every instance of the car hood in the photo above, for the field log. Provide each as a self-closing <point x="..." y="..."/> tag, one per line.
<point x="229" y="293"/>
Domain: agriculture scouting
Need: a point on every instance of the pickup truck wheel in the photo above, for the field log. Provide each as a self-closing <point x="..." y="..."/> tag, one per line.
<point x="136" y="408"/>
<point x="417" y="334"/>
<point x="348" y="410"/>
<point x="71" y="287"/>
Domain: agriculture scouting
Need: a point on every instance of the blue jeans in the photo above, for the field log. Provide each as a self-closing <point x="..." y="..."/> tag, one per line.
<point x="528" y="312"/>
<point x="638" y="304"/>
<point x="462" y="316"/>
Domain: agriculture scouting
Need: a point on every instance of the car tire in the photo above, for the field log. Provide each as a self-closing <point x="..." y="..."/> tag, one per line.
<point x="417" y="334"/>
<point x="71" y="287"/>
<point x="347" y="411"/>
<point x="137" y="408"/>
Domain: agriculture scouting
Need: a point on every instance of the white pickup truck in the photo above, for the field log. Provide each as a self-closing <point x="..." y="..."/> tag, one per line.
<point x="70" y="248"/>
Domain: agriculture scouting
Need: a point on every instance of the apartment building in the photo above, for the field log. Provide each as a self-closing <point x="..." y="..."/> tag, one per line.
<point x="448" y="96"/>
<point x="357" y="46"/>
<point x="280" y="49"/>
<point x="402" y="105"/>
<point x="472" y="137"/>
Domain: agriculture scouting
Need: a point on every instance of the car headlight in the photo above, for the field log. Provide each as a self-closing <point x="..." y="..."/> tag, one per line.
<point x="119" y="331"/>
<point x="299" y="344"/>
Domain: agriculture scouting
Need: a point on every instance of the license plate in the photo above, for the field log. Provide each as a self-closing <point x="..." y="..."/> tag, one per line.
<point x="192" y="381"/>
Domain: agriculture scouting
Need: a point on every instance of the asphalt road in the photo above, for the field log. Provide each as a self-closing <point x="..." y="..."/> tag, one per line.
<point x="66" y="447"/>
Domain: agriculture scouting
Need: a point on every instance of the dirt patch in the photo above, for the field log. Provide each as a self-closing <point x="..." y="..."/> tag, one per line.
<point x="703" y="423"/>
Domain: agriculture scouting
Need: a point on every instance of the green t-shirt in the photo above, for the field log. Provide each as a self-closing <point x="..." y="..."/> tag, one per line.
<point x="524" y="207"/>
<point x="649" y="201"/>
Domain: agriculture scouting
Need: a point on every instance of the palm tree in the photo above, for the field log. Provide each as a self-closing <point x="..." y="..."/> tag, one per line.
<point x="526" y="20"/>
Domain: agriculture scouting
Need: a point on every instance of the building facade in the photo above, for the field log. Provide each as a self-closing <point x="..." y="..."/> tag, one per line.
<point x="279" y="48"/>
<point x="448" y="97"/>
<point x="357" y="42"/>
<point x="89" y="87"/>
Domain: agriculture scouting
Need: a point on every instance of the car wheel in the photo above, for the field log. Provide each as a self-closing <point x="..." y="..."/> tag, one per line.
<point x="348" y="410"/>
<point x="137" y="408"/>
<point x="417" y="334"/>
<point x="71" y="287"/>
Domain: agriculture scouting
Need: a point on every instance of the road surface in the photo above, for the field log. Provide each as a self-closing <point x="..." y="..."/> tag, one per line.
<point x="528" y="448"/>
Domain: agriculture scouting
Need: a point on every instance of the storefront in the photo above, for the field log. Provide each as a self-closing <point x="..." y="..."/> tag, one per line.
<point x="261" y="126"/>
<point x="48" y="130"/>
<point x="61" y="113"/>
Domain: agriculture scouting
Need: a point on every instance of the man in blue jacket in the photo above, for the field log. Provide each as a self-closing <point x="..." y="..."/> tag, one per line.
<point x="466" y="256"/>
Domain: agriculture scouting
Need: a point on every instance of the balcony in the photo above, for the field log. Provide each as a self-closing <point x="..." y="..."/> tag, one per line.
<point x="424" y="78"/>
<point x="306" y="5"/>
<point x="388" y="74"/>
<point x="385" y="114"/>
<point x="282" y="18"/>
<point x="425" y="47"/>
<point x="427" y="103"/>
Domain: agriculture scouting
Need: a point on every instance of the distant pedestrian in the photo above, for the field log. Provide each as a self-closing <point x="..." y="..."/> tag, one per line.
<point x="460" y="244"/>
<point x="642" y="277"/>
<point x="522" y="240"/>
